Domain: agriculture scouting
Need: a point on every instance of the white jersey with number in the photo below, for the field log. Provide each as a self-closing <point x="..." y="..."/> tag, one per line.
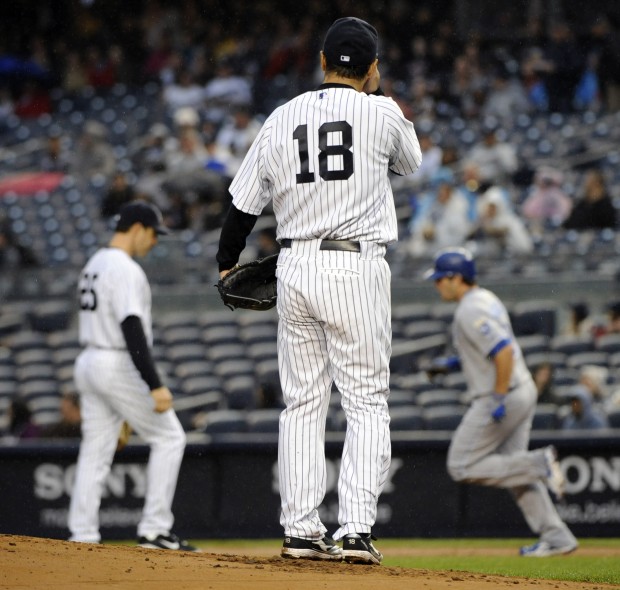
<point x="323" y="159"/>
<point x="112" y="287"/>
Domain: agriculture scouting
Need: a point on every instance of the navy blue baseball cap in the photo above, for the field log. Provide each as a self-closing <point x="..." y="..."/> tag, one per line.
<point x="450" y="262"/>
<point x="143" y="212"/>
<point x="351" y="42"/>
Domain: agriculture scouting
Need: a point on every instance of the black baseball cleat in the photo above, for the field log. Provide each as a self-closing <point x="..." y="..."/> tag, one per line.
<point x="325" y="548"/>
<point x="358" y="548"/>
<point x="171" y="542"/>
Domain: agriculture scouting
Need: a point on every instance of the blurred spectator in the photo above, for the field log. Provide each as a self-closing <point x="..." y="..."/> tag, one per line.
<point x="69" y="425"/>
<point x="543" y="378"/>
<point x="605" y="42"/>
<point x="57" y="154"/>
<point x="467" y="86"/>
<point x="94" y="154"/>
<point x="183" y="92"/>
<point x="119" y="192"/>
<point x="74" y="77"/>
<point x="496" y="159"/>
<point x="21" y="425"/>
<point x="440" y="219"/>
<point x="267" y="243"/>
<point x="13" y="254"/>
<point x="566" y="66"/>
<point x="583" y="415"/>
<point x="613" y="311"/>
<point x="595" y="209"/>
<point x="226" y="90"/>
<point x="33" y="101"/>
<point x="7" y="106"/>
<point x="534" y="69"/>
<point x="269" y="396"/>
<point x="236" y="136"/>
<point x="594" y="379"/>
<point x="472" y="187"/>
<point x="177" y="214"/>
<point x="546" y="205"/>
<point x="431" y="159"/>
<point x="579" y="321"/>
<point x="499" y="228"/>
<point x="202" y="189"/>
<point x="99" y="69"/>
<point x="506" y="97"/>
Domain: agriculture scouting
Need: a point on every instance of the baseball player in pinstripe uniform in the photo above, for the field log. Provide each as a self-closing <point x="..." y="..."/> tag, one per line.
<point x="323" y="160"/>
<point x="490" y="446"/>
<point x="117" y="381"/>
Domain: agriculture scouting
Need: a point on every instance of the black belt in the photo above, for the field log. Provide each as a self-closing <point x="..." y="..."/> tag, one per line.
<point x="340" y="245"/>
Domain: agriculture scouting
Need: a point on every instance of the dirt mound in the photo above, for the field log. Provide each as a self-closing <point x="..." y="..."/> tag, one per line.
<point x="33" y="563"/>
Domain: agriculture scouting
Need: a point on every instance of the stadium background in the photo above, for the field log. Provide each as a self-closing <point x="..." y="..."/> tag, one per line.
<point x="221" y="365"/>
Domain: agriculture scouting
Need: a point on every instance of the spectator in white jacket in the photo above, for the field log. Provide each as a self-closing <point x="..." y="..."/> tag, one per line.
<point x="499" y="228"/>
<point x="441" y="219"/>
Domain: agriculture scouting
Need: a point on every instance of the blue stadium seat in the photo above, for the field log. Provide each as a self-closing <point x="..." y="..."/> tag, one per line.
<point x="406" y="418"/>
<point x="443" y="417"/>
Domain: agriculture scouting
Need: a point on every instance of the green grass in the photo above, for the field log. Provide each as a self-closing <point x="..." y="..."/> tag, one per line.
<point x="576" y="567"/>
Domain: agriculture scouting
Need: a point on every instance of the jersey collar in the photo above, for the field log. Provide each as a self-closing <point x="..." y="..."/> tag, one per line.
<point x="334" y="85"/>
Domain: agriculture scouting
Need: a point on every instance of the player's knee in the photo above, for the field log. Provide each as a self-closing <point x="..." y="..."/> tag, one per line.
<point x="457" y="473"/>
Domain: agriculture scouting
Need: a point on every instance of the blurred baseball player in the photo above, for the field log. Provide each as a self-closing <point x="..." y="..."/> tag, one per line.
<point x="117" y="380"/>
<point x="490" y="446"/>
<point x="323" y="159"/>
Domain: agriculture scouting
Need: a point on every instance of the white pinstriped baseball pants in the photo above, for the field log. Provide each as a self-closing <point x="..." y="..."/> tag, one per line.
<point x="111" y="390"/>
<point x="335" y="326"/>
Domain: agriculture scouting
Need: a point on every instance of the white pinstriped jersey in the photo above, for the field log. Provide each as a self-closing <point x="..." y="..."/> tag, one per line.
<point x="323" y="159"/>
<point x="481" y="323"/>
<point x="112" y="286"/>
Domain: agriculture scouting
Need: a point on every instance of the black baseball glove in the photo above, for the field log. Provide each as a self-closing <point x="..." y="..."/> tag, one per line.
<point x="251" y="285"/>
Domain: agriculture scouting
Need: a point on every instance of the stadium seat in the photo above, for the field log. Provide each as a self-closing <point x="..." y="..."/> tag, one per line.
<point x="406" y="418"/>
<point x="569" y="344"/>
<point x="201" y="384"/>
<point x="455" y="381"/>
<point x="401" y="397"/>
<point x="223" y="352"/>
<point x="221" y="334"/>
<point x="443" y="417"/>
<point x="241" y="392"/>
<point x="614" y="418"/>
<point x="423" y="328"/>
<point x="440" y="397"/>
<point x="51" y="316"/>
<point x="579" y="359"/>
<point x="178" y="353"/>
<point x="545" y="417"/>
<point x="411" y="312"/>
<point x="534" y="317"/>
<point x="533" y="343"/>
<point x="258" y="333"/>
<point x="608" y="343"/>
<point x="225" y="421"/>
<point x="264" y="420"/>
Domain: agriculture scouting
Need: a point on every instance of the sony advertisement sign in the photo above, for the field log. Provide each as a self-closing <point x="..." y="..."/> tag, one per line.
<point x="233" y="491"/>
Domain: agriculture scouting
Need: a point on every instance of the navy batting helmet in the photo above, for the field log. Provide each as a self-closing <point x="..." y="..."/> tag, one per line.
<point x="450" y="262"/>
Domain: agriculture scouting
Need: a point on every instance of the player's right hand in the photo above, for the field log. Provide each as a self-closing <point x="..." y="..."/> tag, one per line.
<point x="500" y="410"/>
<point x="162" y="398"/>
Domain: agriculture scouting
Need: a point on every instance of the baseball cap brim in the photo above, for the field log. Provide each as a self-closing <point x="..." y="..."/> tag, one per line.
<point x="432" y="275"/>
<point x="161" y="230"/>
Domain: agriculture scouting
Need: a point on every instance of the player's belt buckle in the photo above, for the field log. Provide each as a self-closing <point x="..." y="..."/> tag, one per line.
<point x="338" y="245"/>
